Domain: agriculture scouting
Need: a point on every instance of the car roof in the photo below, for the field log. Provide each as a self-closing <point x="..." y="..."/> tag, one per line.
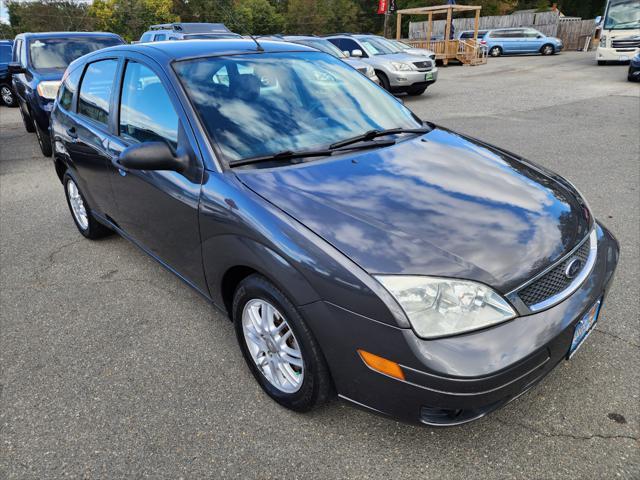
<point x="68" y="34"/>
<point x="210" y="47"/>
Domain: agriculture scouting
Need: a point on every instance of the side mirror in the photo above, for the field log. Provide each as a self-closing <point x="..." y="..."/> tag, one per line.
<point x="356" y="53"/>
<point x="598" y="19"/>
<point x="538" y="36"/>
<point x="15" y="68"/>
<point x="152" y="156"/>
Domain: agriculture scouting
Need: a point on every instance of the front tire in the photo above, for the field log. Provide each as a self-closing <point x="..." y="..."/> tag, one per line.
<point x="384" y="81"/>
<point x="602" y="62"/>
<point x="278" y="347"/>
<point x="44" y="140"/>
<point x="7" y="96"/>
<point x="547" y="49"/>
<point x="87" y="224"/>
<point x="27" y="121"/>
<point x="495" y="52"/>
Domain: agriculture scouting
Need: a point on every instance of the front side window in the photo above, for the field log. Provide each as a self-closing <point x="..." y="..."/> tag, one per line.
<point x="95" y="90"/>
<point x="146" y="37"/>
<point x="146" y="111"/>
<point x="58" y="53"/>
<point x="160" y="37"/>
<point x="285" y="101"/>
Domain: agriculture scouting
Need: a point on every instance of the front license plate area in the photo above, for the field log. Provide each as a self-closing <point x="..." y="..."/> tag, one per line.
<point x="428" y="76"/>
<point x="584" y="327"/>
<point x="623" y="58"/>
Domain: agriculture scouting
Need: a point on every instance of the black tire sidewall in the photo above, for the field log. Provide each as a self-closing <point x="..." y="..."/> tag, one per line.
<point x="384" y="81"/>
<point x="27" y="120"/>
<point x="315" y="384"/>
<point x="44" y="140"/>
<point x="496" y="49"/>
<point x="95" y="229"/>
<point x="543" y="50"/>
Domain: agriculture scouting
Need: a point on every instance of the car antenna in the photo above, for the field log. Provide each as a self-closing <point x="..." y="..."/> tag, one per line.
<point x="258" y="46"/>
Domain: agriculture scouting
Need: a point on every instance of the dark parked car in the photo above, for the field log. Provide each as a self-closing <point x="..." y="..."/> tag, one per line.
<point x="38" y="63"/>
<point x="417" y="272"/>
<point x="6" y="89"/>
<point x="634" y="69"/>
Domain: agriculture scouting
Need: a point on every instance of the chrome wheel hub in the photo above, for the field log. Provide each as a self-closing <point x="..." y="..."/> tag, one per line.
<point x="7" y="96"/>
<point x="272" y="345"/>
<point x="77" y="205"/>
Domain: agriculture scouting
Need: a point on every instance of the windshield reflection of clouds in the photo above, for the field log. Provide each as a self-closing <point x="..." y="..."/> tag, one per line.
<point x="289" y="101"/>
<point x="426" y="207"/>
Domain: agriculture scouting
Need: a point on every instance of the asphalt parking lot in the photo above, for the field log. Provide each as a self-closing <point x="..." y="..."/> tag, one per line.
<point x="110" y="367"/>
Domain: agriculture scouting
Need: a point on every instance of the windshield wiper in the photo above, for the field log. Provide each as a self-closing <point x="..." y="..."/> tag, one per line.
<point x="293" y="154"/>
<point x="371" y="134"/>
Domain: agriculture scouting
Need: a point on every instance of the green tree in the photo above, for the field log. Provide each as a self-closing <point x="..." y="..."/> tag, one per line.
<point x="49" y="15"/>
<point x="130" y="18"/>
<point x="256" y="17"/>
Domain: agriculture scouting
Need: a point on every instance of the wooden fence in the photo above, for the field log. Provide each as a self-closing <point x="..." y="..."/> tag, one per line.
<point x="572" y="31"/>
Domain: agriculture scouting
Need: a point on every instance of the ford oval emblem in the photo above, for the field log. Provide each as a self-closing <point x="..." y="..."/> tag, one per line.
<point x="573" y="268"/>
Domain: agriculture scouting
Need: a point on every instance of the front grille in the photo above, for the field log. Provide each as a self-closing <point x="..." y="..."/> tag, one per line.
<point x="554" y="281"/>
<point x="423" y="65"/>
<point x="626" y="43"/>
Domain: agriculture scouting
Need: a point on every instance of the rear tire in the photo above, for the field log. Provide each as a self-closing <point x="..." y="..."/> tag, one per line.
<point x="266" y="322"/>
<point x="384" y="81"/>
<point x="86" y="223"/>
<point x="495" y="52"/>
<point x="7" y="95"/>
<point x="44" y="140"/>
<point x="27" y="120"/>
<point x="602" y="62"/>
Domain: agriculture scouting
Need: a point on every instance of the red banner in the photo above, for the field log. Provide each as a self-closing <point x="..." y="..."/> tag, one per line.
<point x="382" y="6"/>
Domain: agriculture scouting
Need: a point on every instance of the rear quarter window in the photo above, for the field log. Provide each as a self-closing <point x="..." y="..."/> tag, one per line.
<point x="68" y="89"/>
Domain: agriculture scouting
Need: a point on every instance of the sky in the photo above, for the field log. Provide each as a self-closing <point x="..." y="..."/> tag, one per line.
<point x="4" y="16"/>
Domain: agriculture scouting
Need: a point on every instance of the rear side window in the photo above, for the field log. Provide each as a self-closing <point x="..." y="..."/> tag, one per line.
<point x="146" y="111"/>
<point x="160" y="37"/>
<point x="95" y="91"/>
<point x="69" y="88"/>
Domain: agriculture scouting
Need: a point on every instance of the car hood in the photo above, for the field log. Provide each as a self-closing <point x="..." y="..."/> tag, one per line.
<point x="393" y="57"/>
<point x="50" y="73"/>
<point x="419" y="52"/>
<point x="441" y="204"/>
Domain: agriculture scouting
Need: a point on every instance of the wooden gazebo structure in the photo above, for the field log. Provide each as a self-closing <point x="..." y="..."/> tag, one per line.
<point x="467" y="51"/>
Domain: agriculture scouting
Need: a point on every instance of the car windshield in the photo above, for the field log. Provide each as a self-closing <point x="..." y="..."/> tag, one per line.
<point x="58" y="53"/>
<point x="374" y="46"/>
<point x="392" y="45"/>
<point x="324" y="46"/>
<point x="623" y="15"/>
<point x="261" y="104"/>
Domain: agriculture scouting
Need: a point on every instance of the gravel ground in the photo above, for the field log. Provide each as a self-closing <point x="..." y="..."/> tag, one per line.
<point x="112" y="368"/>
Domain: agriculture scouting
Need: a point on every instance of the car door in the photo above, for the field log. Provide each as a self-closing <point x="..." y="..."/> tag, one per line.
<point x="157" y="209"/>
<point x="19" y="80"/>
<point x="88" y="129"/>
<point x="514" y="40"/>
<point x="532" y="40"/>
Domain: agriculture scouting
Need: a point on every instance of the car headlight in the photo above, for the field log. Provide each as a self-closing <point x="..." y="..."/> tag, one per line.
<point x="438" y="307"/>
<point x="603" y="41"/>
<point x="401" y="67"/>
<point x="48" y="89"/>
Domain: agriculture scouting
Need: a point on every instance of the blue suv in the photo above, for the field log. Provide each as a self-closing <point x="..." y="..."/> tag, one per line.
<point x="37" y="66"/>
<point x="508" y="41"/>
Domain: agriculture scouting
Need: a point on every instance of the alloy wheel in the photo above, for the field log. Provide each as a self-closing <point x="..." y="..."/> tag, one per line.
<point x="7" y="95"/>
<point x="272" y="345"/>
<point x="77" y="205"/>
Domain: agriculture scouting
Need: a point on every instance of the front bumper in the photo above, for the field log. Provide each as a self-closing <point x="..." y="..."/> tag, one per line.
<point x="608" y="54"/>
<point x="457" y="379"/>
<point x="403" y="80"/>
